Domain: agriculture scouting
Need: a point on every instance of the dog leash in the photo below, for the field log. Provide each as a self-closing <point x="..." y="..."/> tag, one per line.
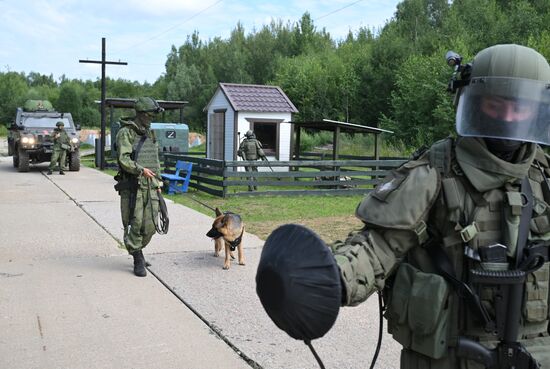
<point x="203" y="204"/>
<point x="163" y="221"/>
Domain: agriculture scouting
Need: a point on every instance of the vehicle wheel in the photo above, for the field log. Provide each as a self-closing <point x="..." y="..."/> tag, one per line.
<point x="10" y="147"/>
<point x="23" y="164"/>
<point x="15" y="160"/>
<point x="74" y="161"/>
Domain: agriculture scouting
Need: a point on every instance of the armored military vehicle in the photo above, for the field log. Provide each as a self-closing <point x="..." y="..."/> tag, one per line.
<point x="30" y="135"/>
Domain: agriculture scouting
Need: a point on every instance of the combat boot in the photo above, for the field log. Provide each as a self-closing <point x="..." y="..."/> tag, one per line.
<point x="139" y="263"/>
<point x="62" y="172"/>
<point x="49" y="172"/>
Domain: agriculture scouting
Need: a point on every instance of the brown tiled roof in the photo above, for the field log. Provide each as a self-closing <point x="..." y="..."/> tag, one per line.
<point x="259" y="98"/>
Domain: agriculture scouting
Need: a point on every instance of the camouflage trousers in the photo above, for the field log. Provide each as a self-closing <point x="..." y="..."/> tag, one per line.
<point x="139" y="230"/>
<point x="59" y="155"/>
<point x="251" y="169"/>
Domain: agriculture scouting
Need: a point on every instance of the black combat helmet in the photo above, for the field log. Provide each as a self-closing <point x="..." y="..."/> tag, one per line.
<point x="508" y="97"/>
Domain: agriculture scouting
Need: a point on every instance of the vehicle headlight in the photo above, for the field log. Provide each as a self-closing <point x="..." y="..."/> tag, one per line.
<point x="28" y="140"/>
<point x="74" y="140"/>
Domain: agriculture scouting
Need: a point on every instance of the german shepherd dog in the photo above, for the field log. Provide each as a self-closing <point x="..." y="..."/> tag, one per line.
<point x="227" y="230"/>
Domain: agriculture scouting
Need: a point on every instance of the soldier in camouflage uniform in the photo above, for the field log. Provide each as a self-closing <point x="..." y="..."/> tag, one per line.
<point x="456" y="239"/>
<point x="460" y="203"/>
<point x="139" y="180"/>
<point x="251" y="149"/>
<point x="61" y="145"/>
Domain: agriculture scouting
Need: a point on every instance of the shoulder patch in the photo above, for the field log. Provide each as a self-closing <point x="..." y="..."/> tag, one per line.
<point x="390" y="184"/>
<point x="403" y="200"/>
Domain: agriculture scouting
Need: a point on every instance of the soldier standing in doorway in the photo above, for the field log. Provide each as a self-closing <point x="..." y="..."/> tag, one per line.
<point x="251" y="149"/>
<point x="139" y="180"/>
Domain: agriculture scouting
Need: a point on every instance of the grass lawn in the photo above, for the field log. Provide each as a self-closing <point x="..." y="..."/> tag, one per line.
<point x="332" y="217"/>
<point x="329" y="216"/>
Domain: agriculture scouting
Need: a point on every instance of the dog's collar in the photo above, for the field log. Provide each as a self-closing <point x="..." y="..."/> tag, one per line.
<point x="233" y="244"/>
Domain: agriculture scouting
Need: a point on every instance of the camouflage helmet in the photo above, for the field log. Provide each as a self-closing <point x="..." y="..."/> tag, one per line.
<point x="60" y="124"/>
<point x="147" y="105"/>
<point x="249" y="134"/>
<point x="508" y="96"/>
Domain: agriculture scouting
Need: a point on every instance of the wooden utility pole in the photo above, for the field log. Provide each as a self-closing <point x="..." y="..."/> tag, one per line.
<point x="103" y="90"/>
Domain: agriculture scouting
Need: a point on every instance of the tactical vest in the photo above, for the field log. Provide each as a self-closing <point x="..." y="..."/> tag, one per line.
<point x="63" y="139"/>
<point x="483" y="219"/>
<point x="249" y="149"/>
<point x="466" y="221"/>
<point x="147" y="156"/>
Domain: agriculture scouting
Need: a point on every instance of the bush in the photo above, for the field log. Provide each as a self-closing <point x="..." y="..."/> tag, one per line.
<point x="3" y="130"/>
<point x="90" y="117"/>
<point x="309" y="141"/>
<point x="357" y="144"/>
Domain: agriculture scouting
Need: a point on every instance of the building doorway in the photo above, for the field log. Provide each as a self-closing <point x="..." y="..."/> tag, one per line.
<point x="268" y="135"/>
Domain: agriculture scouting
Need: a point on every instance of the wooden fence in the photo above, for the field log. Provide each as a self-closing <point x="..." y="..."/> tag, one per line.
<point x="296" y="177"/>
<point x="328" y="156"/>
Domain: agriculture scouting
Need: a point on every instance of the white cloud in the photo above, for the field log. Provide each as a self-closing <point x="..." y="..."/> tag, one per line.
<point x="165" y="7"/>
<point x="142" y="32"/>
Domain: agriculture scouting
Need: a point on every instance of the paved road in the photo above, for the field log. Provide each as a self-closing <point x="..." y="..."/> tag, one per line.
<point x="69" y="299"/>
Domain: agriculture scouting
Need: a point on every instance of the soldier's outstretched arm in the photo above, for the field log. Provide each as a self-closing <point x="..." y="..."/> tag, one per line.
<point x="395" y="215"/>
<point x="125" y="146"/>
<point x="367" y="258"/>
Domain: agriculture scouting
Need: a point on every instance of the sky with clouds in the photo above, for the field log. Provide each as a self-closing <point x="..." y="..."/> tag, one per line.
<point x="51" y="36"/>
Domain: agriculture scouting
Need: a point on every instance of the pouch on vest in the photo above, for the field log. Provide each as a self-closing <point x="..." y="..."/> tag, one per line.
<point x="417" y="313"/>
<point x="535" y="308"/>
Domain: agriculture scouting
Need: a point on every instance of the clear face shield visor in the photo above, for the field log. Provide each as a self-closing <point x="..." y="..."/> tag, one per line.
<point x="505" y="108"/>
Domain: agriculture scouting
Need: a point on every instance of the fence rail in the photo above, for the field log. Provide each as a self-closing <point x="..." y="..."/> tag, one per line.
<point x="294" y="177"/>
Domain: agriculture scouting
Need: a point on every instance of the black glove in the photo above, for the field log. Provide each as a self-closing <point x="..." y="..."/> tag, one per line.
<point x="298" y="282"/>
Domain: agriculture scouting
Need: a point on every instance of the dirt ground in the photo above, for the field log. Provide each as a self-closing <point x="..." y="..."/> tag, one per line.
<point x="329" y="229"/>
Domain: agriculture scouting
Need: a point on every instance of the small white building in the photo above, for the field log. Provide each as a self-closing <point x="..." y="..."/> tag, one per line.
<point x="236" y="108"/>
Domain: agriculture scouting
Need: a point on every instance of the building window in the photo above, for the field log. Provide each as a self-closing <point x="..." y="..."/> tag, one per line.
<point x="266" y="133"/>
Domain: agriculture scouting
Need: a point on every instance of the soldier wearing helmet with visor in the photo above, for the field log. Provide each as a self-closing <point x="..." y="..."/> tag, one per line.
<point x="456" y="240"/>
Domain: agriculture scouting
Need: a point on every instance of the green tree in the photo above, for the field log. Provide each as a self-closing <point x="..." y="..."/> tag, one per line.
<point x="321" y="85"/>
<point x="421" y="109"/>
<point x="13" y="89"/>
<point x="90" y="117"/>
<point x="187" y="82"/>
<point x="70" y="100"/>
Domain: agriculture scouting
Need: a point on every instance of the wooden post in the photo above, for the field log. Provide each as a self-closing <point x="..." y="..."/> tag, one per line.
<point x="297" y="155"/>
<point x="376" y="152"/>
<point x="335" y="143"/>
<point x="103" y="63"/>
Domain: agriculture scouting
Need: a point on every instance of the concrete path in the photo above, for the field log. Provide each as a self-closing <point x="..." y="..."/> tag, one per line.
<point x="69" y="299"/>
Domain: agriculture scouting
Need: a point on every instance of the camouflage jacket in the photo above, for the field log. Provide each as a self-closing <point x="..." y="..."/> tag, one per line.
<point x="251" y="149"/>
<point x="475" y="204"/>
<point x="60" y="137"/>
<point x="127" y="140"/>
